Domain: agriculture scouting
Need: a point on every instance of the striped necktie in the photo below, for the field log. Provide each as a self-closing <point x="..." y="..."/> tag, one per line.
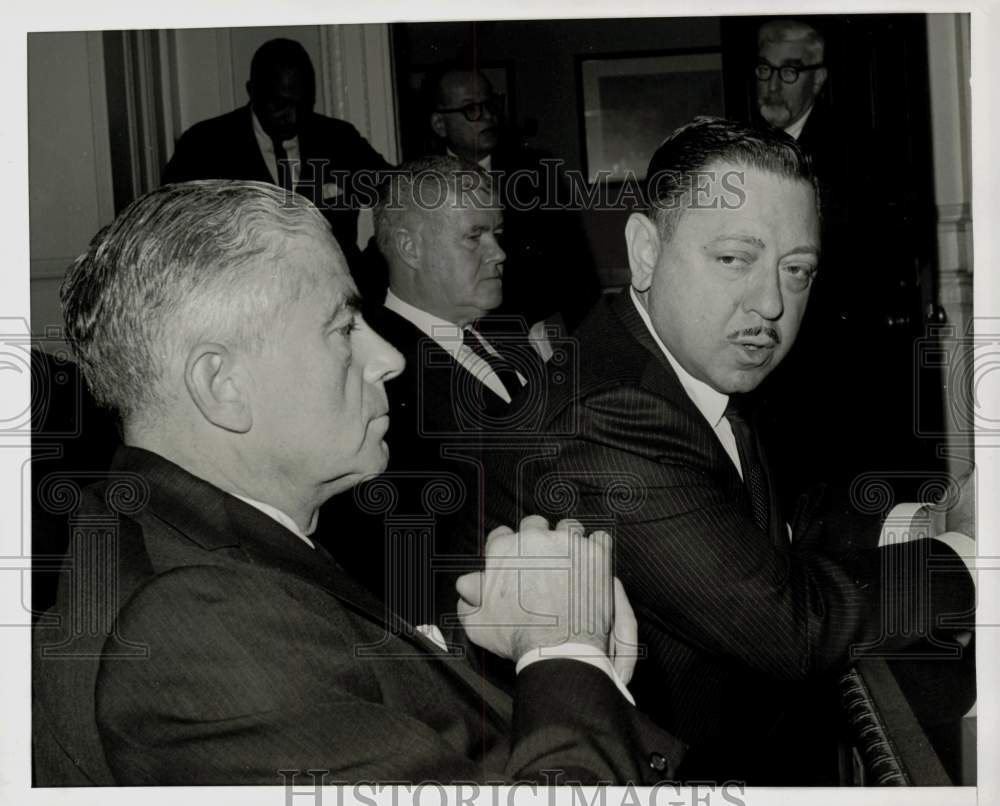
<point x="750" y="460"/>
<point x="503" y="368"/>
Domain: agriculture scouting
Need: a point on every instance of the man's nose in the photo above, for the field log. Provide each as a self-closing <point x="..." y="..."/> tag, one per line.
<point x="774" y="83"/>
<point x="763" y="293"/>
<point x="382" y="362"/>
<point x="496" y="253"/>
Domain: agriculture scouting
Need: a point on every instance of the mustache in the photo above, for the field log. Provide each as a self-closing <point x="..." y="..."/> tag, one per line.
<point x="753" y="332"/>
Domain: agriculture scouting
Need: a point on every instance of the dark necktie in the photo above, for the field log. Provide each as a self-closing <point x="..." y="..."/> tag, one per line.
<point x="503" y="368"/>
<point x="284" y="167"/>
<point x="750" y="460"/>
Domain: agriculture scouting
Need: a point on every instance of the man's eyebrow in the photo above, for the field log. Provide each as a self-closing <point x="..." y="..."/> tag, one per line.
<point x="350" y="304"/>
<point x="805" y="249"/>
<point x="736" y="236"/>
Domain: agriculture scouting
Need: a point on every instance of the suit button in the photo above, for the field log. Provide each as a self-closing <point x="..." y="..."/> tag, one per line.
<point x="657" y="762"/>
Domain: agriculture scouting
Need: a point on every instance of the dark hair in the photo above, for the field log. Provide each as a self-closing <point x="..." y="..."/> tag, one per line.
<point x="682" y="158"/>
<point x="279" y="54"/>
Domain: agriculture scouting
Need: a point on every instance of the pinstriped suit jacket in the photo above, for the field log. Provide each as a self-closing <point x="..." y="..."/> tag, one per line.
<point x="732" y="619"/>
<point x="235" y="651"/>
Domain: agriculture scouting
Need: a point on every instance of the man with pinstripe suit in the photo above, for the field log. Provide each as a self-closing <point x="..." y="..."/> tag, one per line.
<point x="741" y="608"/>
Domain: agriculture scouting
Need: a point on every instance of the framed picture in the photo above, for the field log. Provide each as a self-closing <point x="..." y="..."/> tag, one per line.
<point x="631" y="102"/>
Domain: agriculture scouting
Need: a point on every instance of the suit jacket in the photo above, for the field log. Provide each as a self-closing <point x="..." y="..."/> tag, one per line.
<point x="732" y="618"/>
<point x="227" y="651"/>
<point x="338" y="166"/>
<point x="441" y="414"/>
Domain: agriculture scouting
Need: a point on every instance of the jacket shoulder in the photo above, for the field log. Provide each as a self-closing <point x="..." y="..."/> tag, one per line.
<point x="602" y="355"/>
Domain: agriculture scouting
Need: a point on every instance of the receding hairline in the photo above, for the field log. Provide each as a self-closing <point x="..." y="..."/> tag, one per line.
<point x="793" y="31"/>
<point x="471" y="74"/>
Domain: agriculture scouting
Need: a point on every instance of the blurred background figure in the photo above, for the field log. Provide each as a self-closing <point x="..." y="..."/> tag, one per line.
<point x="278" y="138"/>
<point x="549" y="273"/>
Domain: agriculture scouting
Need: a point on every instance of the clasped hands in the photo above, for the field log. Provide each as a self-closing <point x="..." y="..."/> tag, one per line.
<point x="543" y="588"/>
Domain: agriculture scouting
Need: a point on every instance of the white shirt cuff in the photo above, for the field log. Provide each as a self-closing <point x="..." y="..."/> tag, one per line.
<point x="581" y="652"/>
<point x="909" y="521"/>
<point x="905" y="522"/>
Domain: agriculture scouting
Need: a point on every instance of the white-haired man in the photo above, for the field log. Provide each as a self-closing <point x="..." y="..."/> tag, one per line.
<point x="790" y="73"/>
<point x="220" y="321"/>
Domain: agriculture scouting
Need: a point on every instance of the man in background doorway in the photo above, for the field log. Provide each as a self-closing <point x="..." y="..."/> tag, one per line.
<point x="549" y="272"/>
<point x="278" y="138"/>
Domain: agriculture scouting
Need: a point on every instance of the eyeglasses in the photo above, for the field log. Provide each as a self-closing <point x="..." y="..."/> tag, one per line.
<point x="474" y="111"/>
<point x="788" y="73"/>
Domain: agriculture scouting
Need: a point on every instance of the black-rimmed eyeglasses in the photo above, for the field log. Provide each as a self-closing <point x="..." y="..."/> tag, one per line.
<point x="788" y="73"/>
<point x="474" y="111"/>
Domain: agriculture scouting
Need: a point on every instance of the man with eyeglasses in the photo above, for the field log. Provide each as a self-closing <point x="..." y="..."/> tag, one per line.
<point x="549" y="275"/>
<point x="790" y="73"/>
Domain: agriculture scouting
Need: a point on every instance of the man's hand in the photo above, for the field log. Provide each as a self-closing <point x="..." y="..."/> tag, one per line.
<point x="542" y="588"/>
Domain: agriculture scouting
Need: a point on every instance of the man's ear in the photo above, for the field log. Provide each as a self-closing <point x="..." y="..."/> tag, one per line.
<point x="819" y="79"/>
<point x="437" y="125"/>
<point x="642" y="240"/>
<point x="407" y="243"/>
<point x="217" y="387"/>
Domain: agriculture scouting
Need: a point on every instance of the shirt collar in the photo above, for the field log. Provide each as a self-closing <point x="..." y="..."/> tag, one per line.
<point x="486" y="163"/>
<point x="276" y="514"/>
<point x="264" y="139"/>
<point x="796" y="128"/>
<point x="711" y="403"/>
<point x="447" y="334"/>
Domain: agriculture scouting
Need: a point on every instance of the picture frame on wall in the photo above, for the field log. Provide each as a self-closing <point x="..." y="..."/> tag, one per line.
<point x="631" y="102"/>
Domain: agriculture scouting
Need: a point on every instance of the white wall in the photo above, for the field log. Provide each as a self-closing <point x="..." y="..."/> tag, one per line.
<point x="68" y="161"/>
<point x="205" y="72"/>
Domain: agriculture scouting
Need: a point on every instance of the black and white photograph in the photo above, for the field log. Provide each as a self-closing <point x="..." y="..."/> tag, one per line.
<point x="586" y="404"/>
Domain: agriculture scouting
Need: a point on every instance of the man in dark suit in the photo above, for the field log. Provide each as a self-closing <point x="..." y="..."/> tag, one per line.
<point x="277" y="137"/>
<point x="470" y="377"/>
<point x="792" y="86"/>
<point x="550" y="273"/>
<point x="791" y="75"/>
<point x="655" y="439"/>
<point x="200" y="636"/>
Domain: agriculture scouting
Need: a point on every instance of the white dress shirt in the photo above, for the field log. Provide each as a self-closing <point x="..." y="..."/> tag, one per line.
<point x="906" y="521"/>
<point x="285" y="520"/>
<point x="448" y="337"/>
<point x="711" y="403"/>
<point x="796" y="128"/>
<point x="267" y="152"/>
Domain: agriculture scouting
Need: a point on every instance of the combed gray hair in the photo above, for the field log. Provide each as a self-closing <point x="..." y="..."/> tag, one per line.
<point x="423" y="185"/>
<point x="786" y="30"/>
<point x="180" y="265"/>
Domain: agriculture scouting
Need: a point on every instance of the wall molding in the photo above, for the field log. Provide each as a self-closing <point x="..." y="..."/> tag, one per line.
<point x="100" y="131"/>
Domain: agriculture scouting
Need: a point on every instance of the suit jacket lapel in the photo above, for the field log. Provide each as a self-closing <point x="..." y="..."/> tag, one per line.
<point x="412" y="341"/>
<point x="661" y="379"/>
<point x="217" y="521"/>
